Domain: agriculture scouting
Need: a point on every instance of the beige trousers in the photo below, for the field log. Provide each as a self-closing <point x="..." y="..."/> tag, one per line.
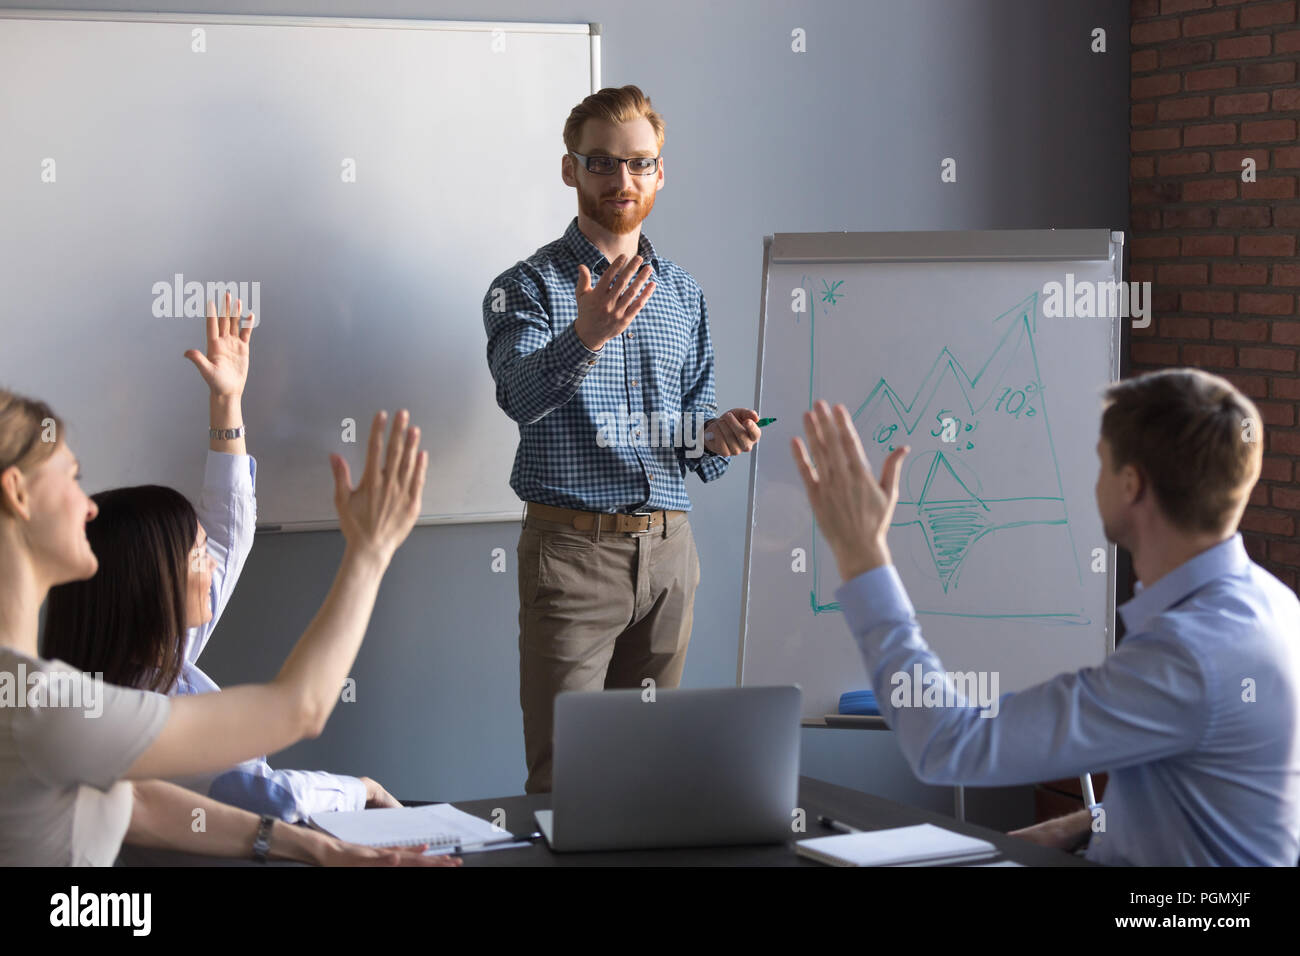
<point x="598" y="610"/>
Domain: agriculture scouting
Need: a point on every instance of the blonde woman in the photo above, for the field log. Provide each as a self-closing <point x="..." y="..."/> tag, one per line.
<point x="78" y="776"/>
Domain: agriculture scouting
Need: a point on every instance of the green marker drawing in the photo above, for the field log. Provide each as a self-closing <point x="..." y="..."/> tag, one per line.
<point x="951" y="510"/>
<point x="765" y="421"/>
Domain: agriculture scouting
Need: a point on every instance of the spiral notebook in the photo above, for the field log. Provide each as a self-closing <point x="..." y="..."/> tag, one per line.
<point x="922" y="845"/>
<point x="438" y="824"/>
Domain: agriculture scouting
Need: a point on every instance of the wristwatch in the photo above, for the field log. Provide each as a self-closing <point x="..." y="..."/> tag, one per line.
<point x="227" y="434"/>
<point x="262" y="843"/>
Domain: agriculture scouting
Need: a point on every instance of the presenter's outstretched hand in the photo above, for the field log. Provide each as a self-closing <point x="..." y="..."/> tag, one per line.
<point x="378" y="514"/>
<point x="852" y="508"/>
<point x="606" y="309"/>
<point x="225" y="367"/>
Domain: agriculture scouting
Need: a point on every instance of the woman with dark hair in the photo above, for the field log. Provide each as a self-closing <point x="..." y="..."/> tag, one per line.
<point x="79" y="758"/>
<point x="128" y="621"/>
<point x="166" y="573"/>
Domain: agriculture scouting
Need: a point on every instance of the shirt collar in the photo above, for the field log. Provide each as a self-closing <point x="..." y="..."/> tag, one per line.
<point x="587" y="254"/>
<point x="1225" y="559"/>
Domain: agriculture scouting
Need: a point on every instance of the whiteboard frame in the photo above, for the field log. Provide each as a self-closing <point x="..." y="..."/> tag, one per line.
<point x="988" y="245"/>
<point x="255" y="20"/>
<point x="592" y="30"/>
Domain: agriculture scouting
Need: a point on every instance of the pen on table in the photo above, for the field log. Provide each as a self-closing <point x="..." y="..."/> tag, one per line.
<point x="511" y="838"/>
<point x="836" y="825"/>
<point x="765" y="421"/>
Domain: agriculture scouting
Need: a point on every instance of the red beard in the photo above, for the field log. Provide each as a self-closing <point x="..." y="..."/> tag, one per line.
<point x="610" y="217"/>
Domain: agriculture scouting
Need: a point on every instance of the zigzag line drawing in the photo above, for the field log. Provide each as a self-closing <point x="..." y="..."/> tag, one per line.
<point x="951" y="508"/>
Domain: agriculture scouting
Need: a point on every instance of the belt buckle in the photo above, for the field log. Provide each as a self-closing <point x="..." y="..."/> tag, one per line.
<point x="642" y="514"/>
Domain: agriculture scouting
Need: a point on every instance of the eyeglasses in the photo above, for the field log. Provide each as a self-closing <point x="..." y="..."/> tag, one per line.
<point x="608" y="165"/>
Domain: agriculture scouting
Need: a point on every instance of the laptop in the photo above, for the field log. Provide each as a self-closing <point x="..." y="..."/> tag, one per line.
<point x="707" y="767"/>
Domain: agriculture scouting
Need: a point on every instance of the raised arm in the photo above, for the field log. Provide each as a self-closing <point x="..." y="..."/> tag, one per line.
<point x="536" y="370"/>
<point x="1120" y="713"/>
<point x="227" y="506"/>
<point x="212" y="732"/>
<point x="225" y="369"/>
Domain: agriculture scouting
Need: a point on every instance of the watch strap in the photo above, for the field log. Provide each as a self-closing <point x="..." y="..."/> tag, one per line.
<point x="262" y="843"/>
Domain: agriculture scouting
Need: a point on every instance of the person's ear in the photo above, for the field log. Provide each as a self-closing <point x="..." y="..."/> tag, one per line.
<point x="1134" y="484"/>
<point x="15" y="497"/>
<point x="566" y="170"/>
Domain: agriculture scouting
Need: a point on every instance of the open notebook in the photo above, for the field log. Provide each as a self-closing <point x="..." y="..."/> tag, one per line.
<point x="921" y="845"/>
<point x="438" y="824"/>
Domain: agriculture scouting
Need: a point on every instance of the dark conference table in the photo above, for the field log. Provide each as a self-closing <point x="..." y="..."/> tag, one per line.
<point x="817" y="797"/>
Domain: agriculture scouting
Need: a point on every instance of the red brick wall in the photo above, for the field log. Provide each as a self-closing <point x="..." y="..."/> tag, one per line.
<point x="1213" y="83"/>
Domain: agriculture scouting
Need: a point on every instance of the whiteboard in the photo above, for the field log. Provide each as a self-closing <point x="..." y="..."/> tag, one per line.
<point x="364" y="180"/>
<point x="939" y="341"/>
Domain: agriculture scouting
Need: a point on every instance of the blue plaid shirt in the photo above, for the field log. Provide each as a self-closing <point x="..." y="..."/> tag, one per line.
<point x="582" y="443"/>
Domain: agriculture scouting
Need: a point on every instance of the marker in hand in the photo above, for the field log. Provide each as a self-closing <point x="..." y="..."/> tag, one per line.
<point x="765" y="421"/>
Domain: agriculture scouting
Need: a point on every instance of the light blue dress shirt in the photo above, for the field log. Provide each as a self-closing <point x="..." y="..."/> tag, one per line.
<point x="1196" y="715"/>
<point x="227" y="508"/>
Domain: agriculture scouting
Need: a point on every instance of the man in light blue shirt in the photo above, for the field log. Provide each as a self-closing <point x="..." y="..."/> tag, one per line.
<point x="1196" y="714"/>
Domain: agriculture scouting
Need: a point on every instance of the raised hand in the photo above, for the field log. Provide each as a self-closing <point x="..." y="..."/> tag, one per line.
<point x="853" y="510"/>
<point x="609" y="307"/>
<point x="225" y="367"/>
<point x="379" y="513"/>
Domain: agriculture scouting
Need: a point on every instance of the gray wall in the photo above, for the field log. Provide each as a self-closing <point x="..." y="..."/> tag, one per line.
<point x="846" y="136"/>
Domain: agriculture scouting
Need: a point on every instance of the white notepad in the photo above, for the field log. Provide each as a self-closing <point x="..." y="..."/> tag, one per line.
<point x="438" y="824"/>
<point x="921" y="845"/>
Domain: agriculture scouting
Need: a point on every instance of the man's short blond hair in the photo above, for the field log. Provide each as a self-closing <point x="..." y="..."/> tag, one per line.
<point x="615" y="105"/>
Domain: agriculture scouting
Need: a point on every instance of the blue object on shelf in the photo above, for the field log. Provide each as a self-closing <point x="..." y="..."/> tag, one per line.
<point x="859" y="702"/>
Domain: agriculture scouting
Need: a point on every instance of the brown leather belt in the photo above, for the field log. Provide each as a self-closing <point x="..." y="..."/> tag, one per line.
<point x="637" y="523"/>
